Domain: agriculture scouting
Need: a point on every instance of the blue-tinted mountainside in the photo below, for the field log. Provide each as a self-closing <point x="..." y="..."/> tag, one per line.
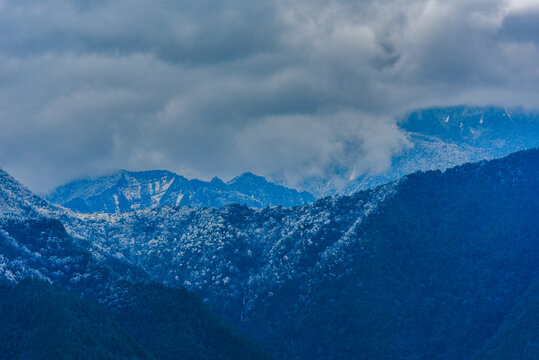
<point x="430" y="266"/>
<point x="127" y="191"/>
<point x="447" y="137"/>
<point x="437" y="265"/>
<point x="504" y="130"/>
<point x="60" y="298"/>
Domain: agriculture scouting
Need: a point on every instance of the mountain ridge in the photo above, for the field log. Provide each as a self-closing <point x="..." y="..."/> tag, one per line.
<point x="127" y="190"/>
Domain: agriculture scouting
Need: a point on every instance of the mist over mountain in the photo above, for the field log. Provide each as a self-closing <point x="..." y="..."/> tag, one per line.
<point x="440" y="138"/>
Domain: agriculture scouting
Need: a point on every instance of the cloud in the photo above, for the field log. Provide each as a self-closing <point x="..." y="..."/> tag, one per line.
<point x="285" y="89"/>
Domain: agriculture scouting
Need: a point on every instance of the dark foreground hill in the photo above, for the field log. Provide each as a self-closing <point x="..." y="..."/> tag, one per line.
<point x="41" y="320"/>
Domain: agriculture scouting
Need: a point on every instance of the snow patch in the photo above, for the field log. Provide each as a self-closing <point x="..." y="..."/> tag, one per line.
<point x="116" y="202"/>
<point x="179" y="199"/>
<point x="159" y="191"/>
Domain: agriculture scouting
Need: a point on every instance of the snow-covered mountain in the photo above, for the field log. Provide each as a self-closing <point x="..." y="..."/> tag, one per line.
<point x="127" y="191"/>
<point x="53" y="284"/>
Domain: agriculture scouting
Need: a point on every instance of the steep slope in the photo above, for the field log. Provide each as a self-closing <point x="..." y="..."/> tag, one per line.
<point x="518" y="337"/>
<point x="126" y="191"/>
<point x="172" y="323"/>
<point x="18" y="201"/>
<point x="447" y="137"/>
<point x="427" y="267"/>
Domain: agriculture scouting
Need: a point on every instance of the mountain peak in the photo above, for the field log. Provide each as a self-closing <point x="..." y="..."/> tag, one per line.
<point x="248" y="177"/>
<point x="216" y="180"/>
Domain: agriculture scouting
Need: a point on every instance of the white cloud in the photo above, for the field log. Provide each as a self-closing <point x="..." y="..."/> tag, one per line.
<point x="205" y="88"/>
<point x="522" y="5"/>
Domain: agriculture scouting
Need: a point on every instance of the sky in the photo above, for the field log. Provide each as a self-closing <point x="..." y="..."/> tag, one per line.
<point x="285" y="89"/>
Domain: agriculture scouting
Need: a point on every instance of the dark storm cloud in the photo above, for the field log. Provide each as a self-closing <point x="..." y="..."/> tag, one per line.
<point x="522" y="27"/>
<point x="193" y="32"/>
<point x="219" y="87"/>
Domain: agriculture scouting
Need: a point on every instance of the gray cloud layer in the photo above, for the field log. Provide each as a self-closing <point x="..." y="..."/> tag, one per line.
<point x="290" y="89"/>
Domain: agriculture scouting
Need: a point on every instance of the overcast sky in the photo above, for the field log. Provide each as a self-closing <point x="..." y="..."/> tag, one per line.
<point x="215" y="88"/>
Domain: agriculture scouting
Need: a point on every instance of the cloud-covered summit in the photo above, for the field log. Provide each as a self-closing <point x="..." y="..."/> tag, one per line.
<point x="216" y="88"/>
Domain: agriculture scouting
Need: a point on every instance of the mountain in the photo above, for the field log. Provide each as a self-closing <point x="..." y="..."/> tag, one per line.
<point x="429" y="266"/>
<point x="442" y="138"/>
<point x="93" y="304"/>
<point x="437" y="265"/>
<point x="127" y="191"/>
